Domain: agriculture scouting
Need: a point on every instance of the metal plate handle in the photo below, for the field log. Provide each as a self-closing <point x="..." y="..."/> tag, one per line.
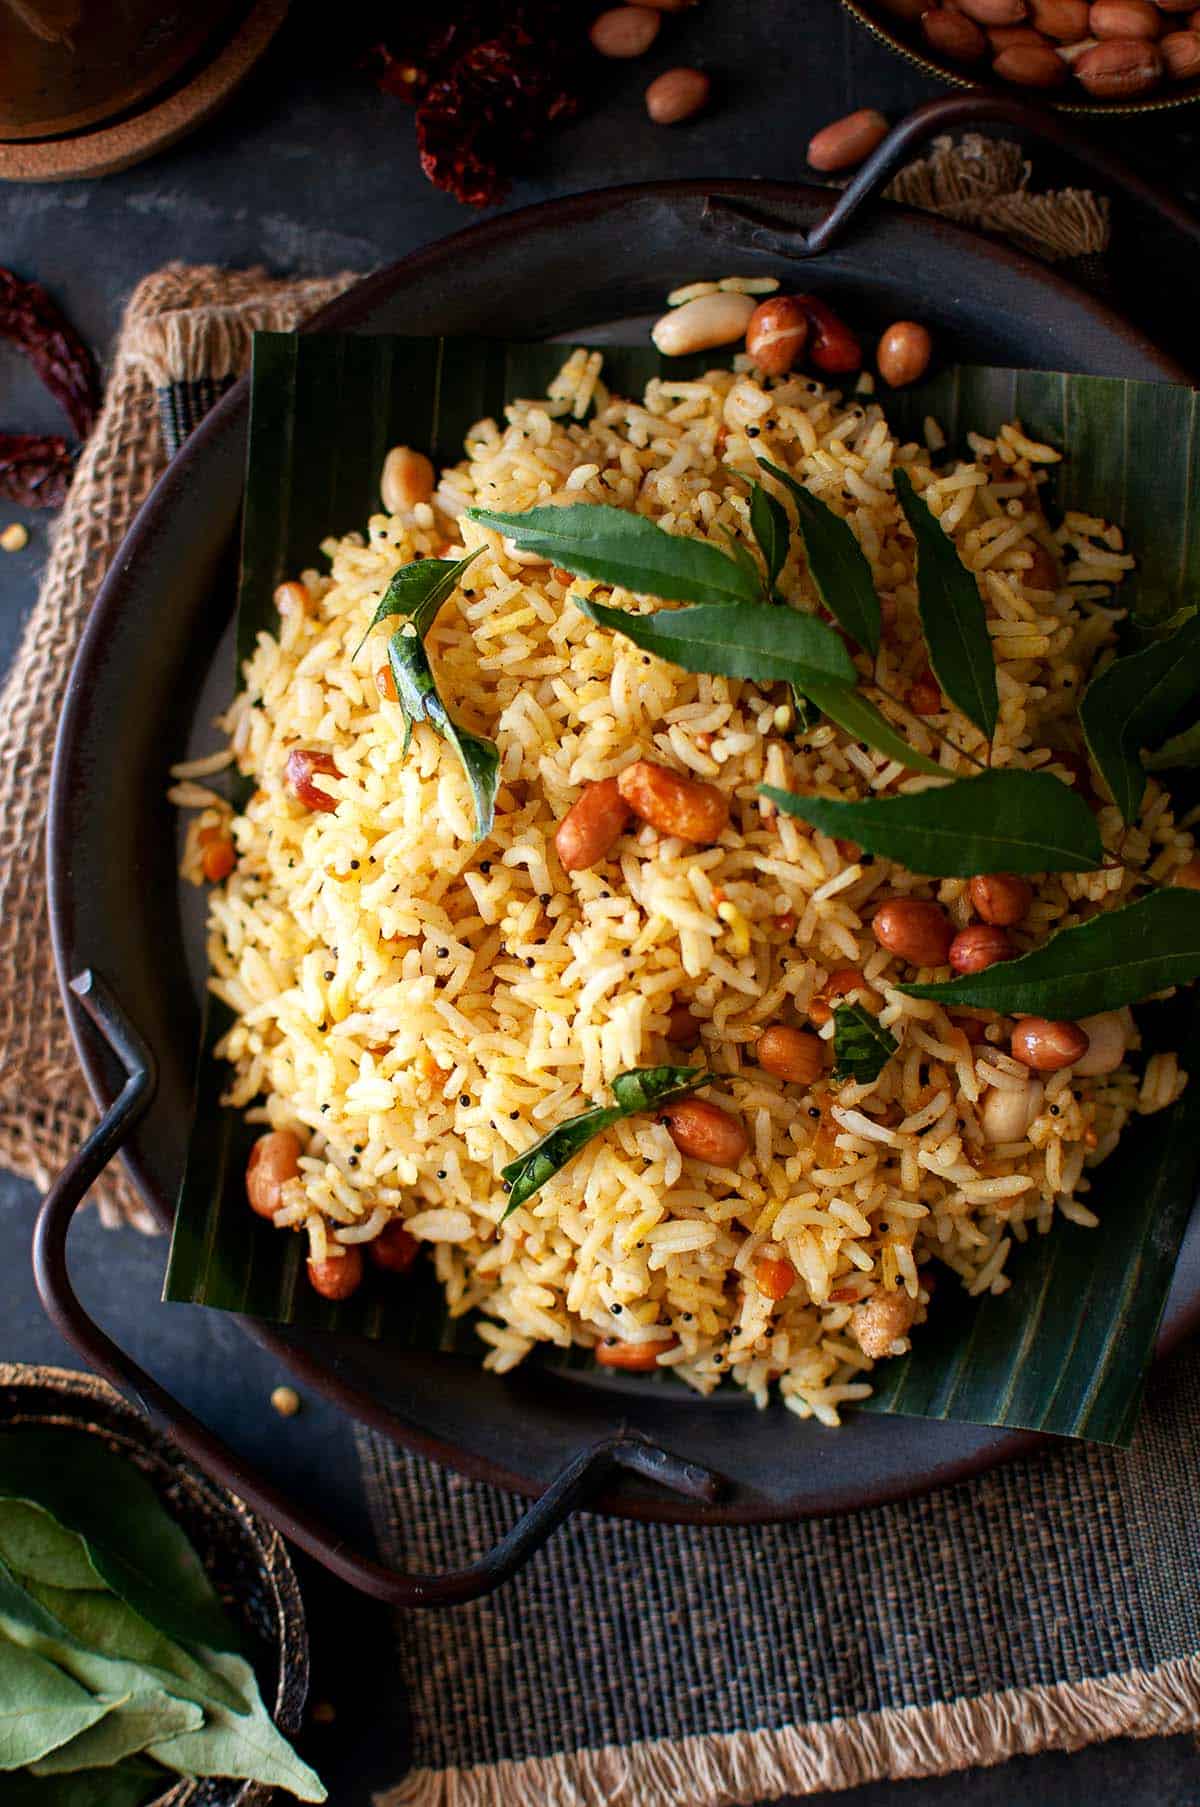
<point x="730" y="219"/>
<point x="583" y="1477"/>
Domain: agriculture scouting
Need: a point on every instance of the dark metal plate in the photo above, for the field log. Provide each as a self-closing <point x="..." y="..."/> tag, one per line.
<point x="592" y="264"/>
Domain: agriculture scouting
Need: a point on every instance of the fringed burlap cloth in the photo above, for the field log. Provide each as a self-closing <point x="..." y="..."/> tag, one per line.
<point x="1047" y="1606"/>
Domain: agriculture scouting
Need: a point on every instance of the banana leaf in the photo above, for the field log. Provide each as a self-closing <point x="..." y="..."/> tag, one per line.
<point x="1066" y="1349"/>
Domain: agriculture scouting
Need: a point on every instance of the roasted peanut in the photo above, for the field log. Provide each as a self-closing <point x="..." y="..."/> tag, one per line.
<point x="880" y="1320"/>
<point x="1181" y="54"/>
<point x="624" y="31"/>
<point x="1120" y="68"/>
<point x="1187" y="876"/>
<point x="675" y="805"/>
<point x="1042" y="573"/>
<point x="904" y="353"/>
<point x="274" y="1160"/>
<point x="1066" y="20"/>
<point x="832" y="347"/>
<point x="1000" y="897"/>
<point x="635" y="1358"/>
<point x="1014" y="37"/>
<point x="845" y="142"/>
<point x="394" y="1249"/>
<point x="676" y="95"/>
<point x="1007" y="1111"/>
<point x="1124" y="19"/>
<point x="592" y="826"/>
<point x="791" y="1054"/>
<point x="1108" y="1037"/>
<point x="993" y="12"/>
<point x="702" y="323"/>
<point x="292" y="599"/>
<point x="1047" y="1046"/>
<point x="924" y="695"/>
<point x="704" y="1132"/>
<point x="683" y="1029"/>
<point x="338" y="1275"/>
<point x="976" y="948"/>
<point x="408" y="478"/>
<point x="385" y="683"/>
<point x="774" y="1276"/>
<point x="777" y="334"/>
<point x="1030" y="66"/>
<point x="915" y="930"/>
<point x="302" y="762"/>
<point x="840" y="983"/>
<point x="953" y="35"/>
<point x="218" y="856"/>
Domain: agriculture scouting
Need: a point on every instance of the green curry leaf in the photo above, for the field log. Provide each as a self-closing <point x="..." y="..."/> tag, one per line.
<point x="769" y="524"/>
<point x="418" y="591"/>
<point x="640" y="1089"/>
<point x="420" y="701"/>
<point x="1130" y="698"/>
<point x="1002" y="821"/>
<point x="862" y="1048"/>
<point x="615" y="546"/>
<point x="858" y="717"/>
<point x="730" y="641"/>
<point x="953" y="618"/>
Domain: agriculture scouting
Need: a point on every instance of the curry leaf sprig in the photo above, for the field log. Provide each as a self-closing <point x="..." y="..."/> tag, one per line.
<point x="640" y="1089"/>
<point x="953" y="618"/>
<point x="861" y="1046"/>
<point x="416" y="593"/>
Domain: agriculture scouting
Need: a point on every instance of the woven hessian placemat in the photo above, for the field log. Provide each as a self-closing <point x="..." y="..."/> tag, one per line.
<point x="1047" y="1606"/>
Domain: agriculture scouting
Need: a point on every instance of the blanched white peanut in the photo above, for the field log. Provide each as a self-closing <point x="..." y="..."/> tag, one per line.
<point x="1108" y="1037"/>
<point x="880" y="1320"/>
<point x="407" y="478"/>
<point x="1005" y="1114"/>
<point x="701" y="324"/>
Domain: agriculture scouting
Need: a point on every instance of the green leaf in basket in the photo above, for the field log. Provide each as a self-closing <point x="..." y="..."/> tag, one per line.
<point x="126" y="1731"/>
<point x="730" y="641"/>
<point x="953" y="619"/>
<point x="417" y="592"/>
<point x="1002" y="821"/>
<point x="861" y="1045"/>
<point x="591" y="539"/>
<point x="40" y="1707"/>
<point x="1132" y="698"/>
<point x="1118" y="957"/>
<point x="132" y="1542"/>
<point x="640" y="1089"/>
<point x="35" y="1546"/>
<point x="836" y="562"/>
<point x="239" y="1744"/>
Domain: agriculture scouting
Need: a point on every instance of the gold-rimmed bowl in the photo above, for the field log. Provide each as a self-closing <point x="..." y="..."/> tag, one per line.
<point x="905" y="39"/>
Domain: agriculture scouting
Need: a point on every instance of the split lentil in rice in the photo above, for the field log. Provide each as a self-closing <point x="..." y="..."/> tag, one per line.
<point x="418" y="1009"/>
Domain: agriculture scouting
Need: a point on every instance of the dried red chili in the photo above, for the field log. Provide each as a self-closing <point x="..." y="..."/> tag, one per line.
<point x="35" y="468"/>
<point x="487" y="84"/>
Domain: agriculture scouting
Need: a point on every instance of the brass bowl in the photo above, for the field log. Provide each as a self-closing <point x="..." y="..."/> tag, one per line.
<point x="908" y="44"/>
<point x="246" y="1560"/>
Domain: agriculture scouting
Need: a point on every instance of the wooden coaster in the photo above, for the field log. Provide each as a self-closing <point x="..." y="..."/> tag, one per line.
<point x="103" y="149"/>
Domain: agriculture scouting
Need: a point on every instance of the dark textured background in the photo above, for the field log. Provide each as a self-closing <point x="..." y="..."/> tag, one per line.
<point x="310" y="170"/>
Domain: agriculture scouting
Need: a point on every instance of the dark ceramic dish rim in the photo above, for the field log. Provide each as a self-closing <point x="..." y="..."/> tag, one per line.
<point x="348" y="312"/>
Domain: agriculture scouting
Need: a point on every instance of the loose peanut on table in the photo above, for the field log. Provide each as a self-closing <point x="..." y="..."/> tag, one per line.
<point x="676" y="95"/>
<point x="845" y="142"/>
<point x="338" y="1275"/>
<point x="592" y="826"/>
<point x="704" y="1132"/>
<point x="274" y="1160"/>
<point x="1046" y="1045"/>
<point x="625" y="31"/>
<point x="777" y="334"/>
<point x="685" y="807"/>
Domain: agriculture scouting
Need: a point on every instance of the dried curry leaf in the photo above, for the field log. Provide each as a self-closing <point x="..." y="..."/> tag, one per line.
<point x="639" y="1089"/>
<point x="1002" y="821"/>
